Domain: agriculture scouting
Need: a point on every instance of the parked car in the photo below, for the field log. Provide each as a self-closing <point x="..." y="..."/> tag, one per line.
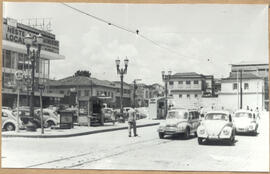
<point x="245" y="122"/>
<point x="50" y="117"/>
<point x="8" y="120"/>
<point x="109" y="115"/>
<point x="216" y="125"/>
<point x="180" y="121"/>
<point x="6" y="107"/>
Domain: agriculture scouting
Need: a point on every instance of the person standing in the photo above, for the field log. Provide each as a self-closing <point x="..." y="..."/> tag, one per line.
<point x="132" y="122"/>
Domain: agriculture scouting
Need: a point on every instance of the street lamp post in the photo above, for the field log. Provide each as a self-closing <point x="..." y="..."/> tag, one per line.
<point x="34" y="55"/>
<point x="121" y="72"/>
<point x="134" y="92"/>
<point x="166" y="78"/>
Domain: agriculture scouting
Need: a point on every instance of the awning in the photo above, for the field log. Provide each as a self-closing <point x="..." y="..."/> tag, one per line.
<point x="22" y="49"/>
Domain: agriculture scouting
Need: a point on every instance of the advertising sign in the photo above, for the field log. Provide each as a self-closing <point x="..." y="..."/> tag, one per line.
<point x="16" y="34"/>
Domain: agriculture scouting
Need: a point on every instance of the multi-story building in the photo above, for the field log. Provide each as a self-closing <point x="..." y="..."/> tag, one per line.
<point x="252" y="95"/>
<point x="14" y="58"/>
<point x="259" y="69"/>
<point x="84" y="87"/>
<point x="188" y="88"/>
<point x="127" y="94"/>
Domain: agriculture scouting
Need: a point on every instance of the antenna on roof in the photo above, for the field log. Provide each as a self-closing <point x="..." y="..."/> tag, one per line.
<point x="43" y="24"/>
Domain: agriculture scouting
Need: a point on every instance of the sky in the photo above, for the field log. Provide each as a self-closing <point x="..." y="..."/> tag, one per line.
<point x="202" y="38"/>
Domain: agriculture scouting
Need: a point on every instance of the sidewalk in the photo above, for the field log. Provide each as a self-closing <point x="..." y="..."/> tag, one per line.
<point x="77" y="130"/>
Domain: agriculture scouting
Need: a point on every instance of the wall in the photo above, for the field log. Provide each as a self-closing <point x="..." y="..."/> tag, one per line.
<point x="254" y="86"/>
<point x="232" y="102"/>
<point x="185" y="86"/>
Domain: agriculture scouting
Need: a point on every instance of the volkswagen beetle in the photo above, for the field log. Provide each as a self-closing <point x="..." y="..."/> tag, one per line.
<point x="245" y="122"/>
<point x="217" y="125"/>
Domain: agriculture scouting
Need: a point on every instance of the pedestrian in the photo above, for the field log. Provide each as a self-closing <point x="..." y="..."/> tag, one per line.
<point x="132" y="122"/>
<point x="247" y="107"/>
<point x="257" y="112"/>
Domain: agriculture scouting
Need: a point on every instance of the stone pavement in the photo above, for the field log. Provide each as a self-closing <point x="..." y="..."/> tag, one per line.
<point x="77" y="130"/>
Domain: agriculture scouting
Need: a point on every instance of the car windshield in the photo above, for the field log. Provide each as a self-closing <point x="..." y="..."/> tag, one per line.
<point x="177" y="115"/>
<point x="217" y="116"/>
<point x="243" y="115"/>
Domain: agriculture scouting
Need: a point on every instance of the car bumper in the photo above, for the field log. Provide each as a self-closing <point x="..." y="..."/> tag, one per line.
<point x="245" y="130"/>
<point x="171" y="131"/>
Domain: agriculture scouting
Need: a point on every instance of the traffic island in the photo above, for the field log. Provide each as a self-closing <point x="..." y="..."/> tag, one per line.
<point x="78" y="130"/>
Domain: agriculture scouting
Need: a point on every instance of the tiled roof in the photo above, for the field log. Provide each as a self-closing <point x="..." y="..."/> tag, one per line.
<point x="187" y="74"/>
<point x="244" y="76"/>
<point x="81" y="81"/>
<point x="250" y="63"/>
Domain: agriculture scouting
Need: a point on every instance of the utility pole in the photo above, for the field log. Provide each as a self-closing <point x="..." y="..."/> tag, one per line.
<point x="241" y="91"/>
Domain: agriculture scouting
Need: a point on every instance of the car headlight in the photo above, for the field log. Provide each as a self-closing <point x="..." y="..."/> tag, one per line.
<point x="202" y="131"/>
<point x="251" y="127"/>
<point x="226" y="131"/>
<point x="181" y="126"/>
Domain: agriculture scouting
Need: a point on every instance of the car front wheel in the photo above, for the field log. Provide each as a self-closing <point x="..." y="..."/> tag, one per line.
<point x="187" y="133"/>
<point x="10" y="127"/>
<point x="200" y="141"/>
<point x="161" y="135"/>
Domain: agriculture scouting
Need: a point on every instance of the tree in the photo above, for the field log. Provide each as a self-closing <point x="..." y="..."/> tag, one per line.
<point x="82" y="73"/>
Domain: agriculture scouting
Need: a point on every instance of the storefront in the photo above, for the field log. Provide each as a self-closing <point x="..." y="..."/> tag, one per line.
<point x="14" y="58"/>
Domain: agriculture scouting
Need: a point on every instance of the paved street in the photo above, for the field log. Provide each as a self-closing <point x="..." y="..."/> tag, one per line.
<point x="114" y="150"/>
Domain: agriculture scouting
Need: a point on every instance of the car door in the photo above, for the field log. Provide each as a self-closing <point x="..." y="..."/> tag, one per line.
<point x="196" y="120"/>
<point x="191" y="121"/>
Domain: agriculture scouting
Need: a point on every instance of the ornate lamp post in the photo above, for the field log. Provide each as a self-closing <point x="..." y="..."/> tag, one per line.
<point x="166" y="78"/>
<point x="121" y="72"/>
<point x="34" y="56"/>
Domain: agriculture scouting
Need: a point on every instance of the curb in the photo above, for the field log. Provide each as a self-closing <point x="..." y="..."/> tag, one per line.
<point x="77" y="134"/>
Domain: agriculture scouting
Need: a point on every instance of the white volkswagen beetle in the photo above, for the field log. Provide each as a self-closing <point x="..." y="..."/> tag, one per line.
<point x="245" y="122"/>
<point x="217" y="125"/>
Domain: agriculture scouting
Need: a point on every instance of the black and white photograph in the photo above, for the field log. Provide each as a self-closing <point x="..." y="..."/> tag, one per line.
<point x="135" y="86"/>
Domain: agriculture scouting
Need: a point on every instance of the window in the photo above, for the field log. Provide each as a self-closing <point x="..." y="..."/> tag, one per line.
<point x="196" y="82"/>
<point x="86" y="92"/>
<point x="246" y="86"/>
<point x="62" y="92"/>
<point x="234" y="86"/>
<point x="180" y="95"/>
<point x="196" y="95"/>
<point x="188" y="96"/>
<point x="180" y="82"/>
<point x="170" y="82"/>
<point x="4" y="114"/>
<point x="188" y="82"/>
<point x="79" y="93"/>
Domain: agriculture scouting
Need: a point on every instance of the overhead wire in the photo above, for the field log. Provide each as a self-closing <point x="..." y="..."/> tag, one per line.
<point x="137" y="32"/>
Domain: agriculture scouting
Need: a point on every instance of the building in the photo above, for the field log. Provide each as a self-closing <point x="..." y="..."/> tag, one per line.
<point x="14" y="58"/>
<point x="127" y="94"/>
<point x="257" y="68"/>
<point x="209" y="85"/>
<point x="77" y="87"/>
<point x="188" y="88"/>
<point x="253" y="91"/>
<point x="156" y="90"/>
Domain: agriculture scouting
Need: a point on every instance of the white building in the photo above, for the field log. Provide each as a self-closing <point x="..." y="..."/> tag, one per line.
<point x="252" y="87"/>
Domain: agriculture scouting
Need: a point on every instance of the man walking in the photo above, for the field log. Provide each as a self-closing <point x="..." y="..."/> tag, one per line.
<point x="132" y="122"/>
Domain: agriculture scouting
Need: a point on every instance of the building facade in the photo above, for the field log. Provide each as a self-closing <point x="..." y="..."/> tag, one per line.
<point x="14" y="59"/>
<point x="259" y="69"/>
<point x="252" y="95"/>
<point x="187" y="89"/>
<point x="77" y="87"/>
<point x="127" y="94"/>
